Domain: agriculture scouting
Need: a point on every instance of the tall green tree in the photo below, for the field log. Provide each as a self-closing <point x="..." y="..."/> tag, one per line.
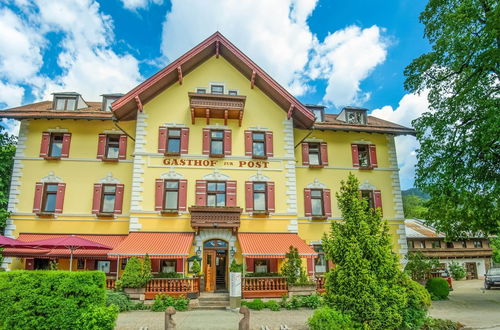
<point x="459" y="156"/>
<point x="7" y="151"/>
<point x="414" y="207"/>
<point x="495" y="244"/>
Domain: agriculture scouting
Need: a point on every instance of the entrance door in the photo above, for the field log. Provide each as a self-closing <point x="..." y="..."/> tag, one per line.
<point x="209" y="269"/>
<point x="471" y="270"/>
<point x="221" y="265"/>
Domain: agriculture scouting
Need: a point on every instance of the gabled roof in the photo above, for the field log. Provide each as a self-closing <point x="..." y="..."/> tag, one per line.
<point x="126" y="107"/>
<point x="45" y="109"/>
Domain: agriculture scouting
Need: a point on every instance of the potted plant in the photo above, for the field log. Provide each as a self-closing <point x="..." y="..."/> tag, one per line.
<point x="298" y="282"/>
<point x="235" y="271"/>
<point x="136" y="275"/>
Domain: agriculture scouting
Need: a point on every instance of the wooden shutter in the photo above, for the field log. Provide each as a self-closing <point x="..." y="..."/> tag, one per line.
<point x="178" y="265"/>
<point x="305" y="153"/>
<point x="231" y="193"/>
<point x="377" y="199"/>
<point x="101" y="146"/>
<point x="227" y="142"/>
<point x="206" y="141"/>
<point x="37" y="204"/>
<point x="159" y="194"/>
<point x="44" y="144"/>
<point x="162" y="139"/>
<point x="119" y="198"/>
<point x="184" y="140"/>
<point x="248" y="143"/>
<point x="307" y="202"/>
<point x="355" y="155"/>
<point x="327" y="203"/>
<point x="201" y="192"/>
<point x="273" y="265"/>
<point x="96" y="199"/>
<point x="65" y="145"/>
<point x="269" y="144"/>
<point x="248" y="196"/>
<point x="29" y="264"/>
<point x="373" y="155"/>
<point x="324" y="154"/>
<point x="113" y="266"/>
<point x="250" y="264"/>
<point x="122" y="151"/>
<point x="182" y="195"/>
<point x="155" y="265"/>
<point x="310" y="266"/>
<point x="90" y="264"/>
<point x="270" y="196"/>
<point x="61" y="188"/>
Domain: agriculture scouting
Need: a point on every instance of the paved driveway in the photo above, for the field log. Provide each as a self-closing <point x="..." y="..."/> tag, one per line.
<point x="471" y="305"/>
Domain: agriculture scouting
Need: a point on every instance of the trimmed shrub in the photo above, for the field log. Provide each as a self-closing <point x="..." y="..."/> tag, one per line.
<point x="196" y="268"/>
<point x="118" y="299"/>
<point x="313" y="301"/>
<point x="273" y="305"/>
<point x="256" y="304"/>
<point x="292" y="268"/>
<point x="98" y="318"/>
<point x="234" y="268"/>
<point x="327" y="318"/>
<point x="457" y="271"/>
<point x="440" y="324"/>
<point x="136" y="274"/>
<point x="438" y="288"/>
<point x="139" y="306"/>
<point x="418" y="302"/>
<point x="49" y="299"/>
<point x="162" y="301"/>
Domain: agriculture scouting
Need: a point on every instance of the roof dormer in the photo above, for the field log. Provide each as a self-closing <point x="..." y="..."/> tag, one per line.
<point x="108" y="99"/>
<point x="353" y="116"/>
<point x="68" y="101"/>
<point x="318" y="111"/>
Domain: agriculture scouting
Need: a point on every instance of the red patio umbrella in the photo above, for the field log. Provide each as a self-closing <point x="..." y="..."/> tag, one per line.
<point x="71" y="242"/>
<point x="10" y="242"/>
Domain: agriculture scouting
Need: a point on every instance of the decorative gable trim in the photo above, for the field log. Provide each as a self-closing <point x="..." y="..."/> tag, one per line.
<point x="109" y="179"/>
<point x="367" y="186"/>
<point x="259" y="177"/>
<point x="172" y="175"/>
<point x="216" y="176"/>
<point x="51" y="178"/>
<point x="316" y="185"/>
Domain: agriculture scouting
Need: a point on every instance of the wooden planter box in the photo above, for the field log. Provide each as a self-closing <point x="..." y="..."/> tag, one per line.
<point x="301" y="290"/>
<point x="135" y="293"/>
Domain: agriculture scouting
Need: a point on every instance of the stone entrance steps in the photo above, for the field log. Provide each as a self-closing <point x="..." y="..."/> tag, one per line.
<point x="211" y="301"/>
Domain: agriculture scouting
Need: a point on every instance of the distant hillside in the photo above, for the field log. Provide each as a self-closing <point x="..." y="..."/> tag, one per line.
<point x="414" y="191"/>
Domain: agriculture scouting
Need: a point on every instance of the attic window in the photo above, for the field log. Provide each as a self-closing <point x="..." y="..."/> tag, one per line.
<point x="356" y="117"/>
<point x="65" y="103"/>
<point x="107" y="101"/>
<point x="201" y="90"/>
<point x="232" y="92"/>
<point x="217" y="89"/>
<point x="318" y="113"/>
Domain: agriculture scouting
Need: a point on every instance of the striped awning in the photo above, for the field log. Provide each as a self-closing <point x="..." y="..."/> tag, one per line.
<point x="156" y="245"/>
<point x="272" y="245"/>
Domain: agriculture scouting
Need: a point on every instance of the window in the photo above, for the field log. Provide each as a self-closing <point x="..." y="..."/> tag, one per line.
<point x="171" y="201"/>
<point x="436" y="244"/>
<point x="421" y="244"/>
<point x="368" y="196"/>
<point x="232" y="92"/>
<point x="56" y="145"/>
<point x="364" y="155"/>
<point x="49" y="197"/>
<point x="314" y="154"/>
<point x="464" y="244"/>
<point x="259" y="196"/>
<point x="317" y="202"/>
<point x="355" y="117"/>
<point x="201" y="90"/>
<point x="107" y="101"/>
<point x="261" y="266"/>
<point x="65" y="103"/>
<point x="124" y="263"/>
<point x="174" y="141"/>
<point x="259" y="144"/>
<point x="449" y="245"/>
<point x="216" y="143"/>
<point x="80" y="264"/>
<point x="320" y="263"/>
<point x="217" y="89"/>
<point x="104" y="266"/>
<point x="112" y="146"/>
<point x="478" y="243"/>
<point x="108" y="198"/>
<point x="318" y="113"/>
<point x="410" y="244"/>
<point x="216" y="194"/>
<point x="168" y="266"/>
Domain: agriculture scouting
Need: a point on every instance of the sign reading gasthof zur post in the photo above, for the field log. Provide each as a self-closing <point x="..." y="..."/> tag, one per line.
<point x="216" y="163"/>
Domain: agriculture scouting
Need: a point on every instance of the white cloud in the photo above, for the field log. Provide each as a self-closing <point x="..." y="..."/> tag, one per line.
<point x="274" y="33"/>
<point x="139" y="4"/>
<point x="10" y="95"/>
<point x="345" y="58"/>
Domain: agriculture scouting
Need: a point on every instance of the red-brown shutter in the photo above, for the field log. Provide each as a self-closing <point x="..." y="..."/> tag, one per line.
<point x="206" y="141"/>
<point x="305" y="153"/>
<point x="248" y="143"/>
<point x="273" y="265"/>
<point x="327" y="203"/>
<point x="29" y="264"/>
<point x="113" y="266"/>
<point x="201" y="192"/>
<point x="61" y="188"/>
<point x="227" y="142"/>
<point x="250" y="264"/>
<point x="377" y="199"/>
<point x="231" y="193"/>
<point x="162" y="139"/>
<point x="248" y="196"/>
<point x="90" y="264"/>
<point x="155" y="265"/>
<point x="324" y="154"/>
<point x="178" y="265"/>
<point x="355" y="155"/>
<point x="101" y="146"/>
<point x="96" y="199"/>
<point x="373" y="155"/>
<point x="184" y="140"/>
<point x="65" y="145"/>
<point x="44" y="145"/>
<point x="269" y="144"/>
<point x="310" y="266"/>
<point x="270" y="196"/>
<point x="307" y="202"/>
<point x="159" y="194"/>
<point x="37" y="204"/>
<point x="119" y="198"/>
<point x="182" y="195"/>
<point x="122" y="151"/>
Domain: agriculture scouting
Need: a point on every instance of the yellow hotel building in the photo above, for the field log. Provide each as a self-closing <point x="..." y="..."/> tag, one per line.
<point x="208" y="158"/>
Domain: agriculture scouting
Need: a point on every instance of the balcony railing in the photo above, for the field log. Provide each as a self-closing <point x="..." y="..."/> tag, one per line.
<point x="172" y="287"/>
<point x="110" y="284"/>
<point x="264" y="287"/>
<point x="219" y="106"/>
<point x="215" y="217"/>
<point x="320" y="284"/>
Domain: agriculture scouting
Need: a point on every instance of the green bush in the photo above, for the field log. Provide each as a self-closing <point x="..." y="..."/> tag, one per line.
<point x="457" y="271"/>
<point x="146" y="269"/>
<point x="169" y="275"/>
<point x="439" y="324"/>
<point x="235" y="267"/>
<point x="438" y="288"/>
<point x="262" y="275"/>
<point x="49" y="299"/>
<point x="136" y="274"/>
<point x="313" y="301"/>
<point x="118" y="299"/>
<point x="98" y="318"/>
<point x="292" y="268"/>
<point x="162" y="301"/>
<point x="418" y="302"/>
<point x="256" y="304"/>
<point x="273" y="305"/>
<point x="327" y="318"/>
<point x="139" y="306"/>
<point x="196" y="269"/>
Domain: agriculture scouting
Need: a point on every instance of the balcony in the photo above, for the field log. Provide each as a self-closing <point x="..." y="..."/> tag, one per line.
<point x="215" y="217"/>
<point x="217" y="106"/>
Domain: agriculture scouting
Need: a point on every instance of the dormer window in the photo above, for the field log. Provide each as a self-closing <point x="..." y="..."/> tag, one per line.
<point x="65" y="103"/>
<point x="201" y="90"/>
<point x="108" y="99"/>
<point x="232" y="92"/>
<point x="217" y="89"/>
<point x="355" y="117"/>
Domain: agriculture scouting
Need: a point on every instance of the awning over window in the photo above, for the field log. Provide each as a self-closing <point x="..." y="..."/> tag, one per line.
<point x="272" y="245"/>
<point x="156" y="245"/>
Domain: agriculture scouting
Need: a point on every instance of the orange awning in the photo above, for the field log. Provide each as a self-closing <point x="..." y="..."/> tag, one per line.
<point x="272" y="245"/>
<point x="156" y="245"/>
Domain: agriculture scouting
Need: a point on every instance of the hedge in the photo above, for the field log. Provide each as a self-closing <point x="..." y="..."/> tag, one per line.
<point x="50" y="299"/>
<point x="438" y="288"/>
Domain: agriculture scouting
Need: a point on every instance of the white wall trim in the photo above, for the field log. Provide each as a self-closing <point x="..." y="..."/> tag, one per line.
<point x="109" y="179"/>
<point x="172" y="175"/>
<point x="316" y="184"/>
<point x="223" y="234"/>
<point x="58" y="129"/>
<point x="216" y="176"/>
<point x="367" y="186"/>
<point x="259" y="177"/>
<point x="51" y="178"/>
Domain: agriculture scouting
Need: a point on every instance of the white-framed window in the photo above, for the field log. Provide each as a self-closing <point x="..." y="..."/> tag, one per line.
<point x="216" y="89"/>
<point x="201" y="90"/>
<point x="232" y="92"/>
<point x="104" y="266"/>
<point x="261" y="266"/>
<point x="65" y="103"/>
<point x="168" y="266"/>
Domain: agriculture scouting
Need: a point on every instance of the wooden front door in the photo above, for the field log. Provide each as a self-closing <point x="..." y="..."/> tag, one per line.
<point x="471" y="270"/>
<point x="209" y="268"/>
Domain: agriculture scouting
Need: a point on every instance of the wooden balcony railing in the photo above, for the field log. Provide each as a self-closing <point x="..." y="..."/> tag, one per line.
<point x="110" y="284"/>
<point x="320" y="284"/>
<point x="172" y="286"/>
<point x="264" y="287"/>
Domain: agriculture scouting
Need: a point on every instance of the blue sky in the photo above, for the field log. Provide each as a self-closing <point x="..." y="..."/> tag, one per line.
<point x="335" y="53"/>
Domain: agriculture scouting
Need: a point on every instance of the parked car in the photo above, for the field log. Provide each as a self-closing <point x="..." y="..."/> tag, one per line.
<point x="492" y="278"/>
<point x="444" y="273"/>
